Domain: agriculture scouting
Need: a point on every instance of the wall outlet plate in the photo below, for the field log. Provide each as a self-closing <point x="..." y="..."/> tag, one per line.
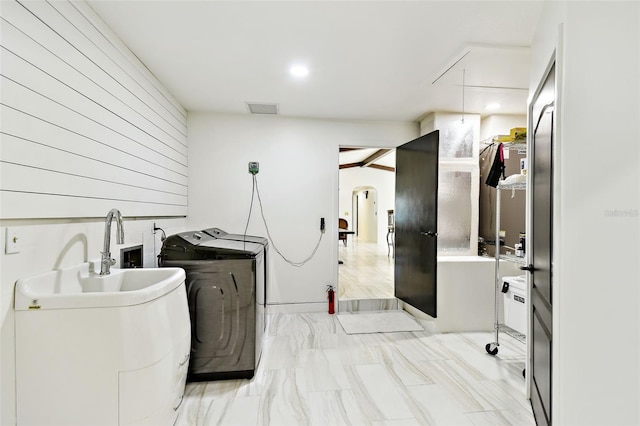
<point x="13" y="243"/>
<point x="254" y="167"/>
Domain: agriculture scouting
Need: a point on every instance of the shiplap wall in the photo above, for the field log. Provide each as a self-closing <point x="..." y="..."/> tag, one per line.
<point x="84" y="125"/>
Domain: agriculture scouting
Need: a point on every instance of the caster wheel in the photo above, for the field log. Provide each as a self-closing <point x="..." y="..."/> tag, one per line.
<point x="492" y="348"/>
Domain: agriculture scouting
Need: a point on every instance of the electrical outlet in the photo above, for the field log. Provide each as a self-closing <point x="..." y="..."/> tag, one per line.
<point x="254" y="167"/>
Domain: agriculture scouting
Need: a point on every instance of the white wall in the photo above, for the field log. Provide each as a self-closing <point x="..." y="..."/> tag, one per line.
<point x="298" y="182"/>
<point x="466" y="294"/>
<point x="86" y="167"/>
<point x="383" y="181"/>
<point x="500" y="124"/>
<point x="596" y="322"/>
<point x="85" y="126"/>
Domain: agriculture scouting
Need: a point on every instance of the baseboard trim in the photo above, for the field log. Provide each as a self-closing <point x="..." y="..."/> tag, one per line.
<point x="296" y="308"/>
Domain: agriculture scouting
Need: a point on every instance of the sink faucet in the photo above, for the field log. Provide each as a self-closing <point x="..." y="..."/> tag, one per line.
<point x="107" y="262"/>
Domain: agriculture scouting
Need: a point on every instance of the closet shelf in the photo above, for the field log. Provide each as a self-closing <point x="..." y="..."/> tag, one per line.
<point x="512" y="146"/>
<point x="492" y="347"/>
<point x="517" y="186"/>
<point x="513" y="333"/>
<point x="520" y="145"/>
<point x="513" y="259"/>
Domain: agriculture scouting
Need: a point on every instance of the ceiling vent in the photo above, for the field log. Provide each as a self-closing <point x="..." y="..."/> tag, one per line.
<point x="256" y="108"/>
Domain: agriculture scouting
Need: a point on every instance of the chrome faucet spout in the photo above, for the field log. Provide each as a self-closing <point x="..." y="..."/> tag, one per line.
<point x="107" y="261"/>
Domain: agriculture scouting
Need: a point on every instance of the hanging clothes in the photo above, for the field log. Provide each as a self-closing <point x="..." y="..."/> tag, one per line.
<point x="497" y="168"/>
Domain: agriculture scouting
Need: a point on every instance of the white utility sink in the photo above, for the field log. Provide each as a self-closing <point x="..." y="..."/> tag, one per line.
<point x="80" y="286"/>
<point x="101" y="349"/>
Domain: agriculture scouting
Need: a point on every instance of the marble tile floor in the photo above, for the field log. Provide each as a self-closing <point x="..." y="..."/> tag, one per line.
<point x="312" y="373"/>
<point x="359" y="305"/>
<point x="367" y="271"/>
<point x="387" y="321"/>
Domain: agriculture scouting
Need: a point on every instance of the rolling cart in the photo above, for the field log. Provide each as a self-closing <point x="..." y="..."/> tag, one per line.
<point x="492" y="347"/>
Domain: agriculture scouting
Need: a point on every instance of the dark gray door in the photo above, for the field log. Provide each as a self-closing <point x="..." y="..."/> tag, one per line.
<point x="542" y="239"/>
<point x="416" y="211"/>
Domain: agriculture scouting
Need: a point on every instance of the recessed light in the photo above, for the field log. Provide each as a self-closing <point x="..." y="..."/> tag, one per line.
<point x="493" y="106"/>
<point x="299" y="71"/>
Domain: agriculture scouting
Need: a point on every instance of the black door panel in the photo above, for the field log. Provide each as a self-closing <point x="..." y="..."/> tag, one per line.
<point x="542" y="250"/>
<point x="542" y="369"/>
<point x="416" y="223"/>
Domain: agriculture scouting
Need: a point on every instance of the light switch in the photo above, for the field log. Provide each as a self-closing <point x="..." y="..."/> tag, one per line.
<point x="13" y="242"/>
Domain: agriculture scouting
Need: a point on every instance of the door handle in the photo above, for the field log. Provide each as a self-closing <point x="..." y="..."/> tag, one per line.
<point x="429" y="234"/>
<point x="528" y="268"/>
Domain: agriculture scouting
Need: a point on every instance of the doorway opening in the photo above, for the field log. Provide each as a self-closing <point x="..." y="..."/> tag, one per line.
<point x="364" y="200"/>
<point x="366" y="192"/>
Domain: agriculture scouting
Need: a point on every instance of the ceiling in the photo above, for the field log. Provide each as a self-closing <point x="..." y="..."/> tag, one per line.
<point x="381" y="159"/>
<point x="389" y="60"/>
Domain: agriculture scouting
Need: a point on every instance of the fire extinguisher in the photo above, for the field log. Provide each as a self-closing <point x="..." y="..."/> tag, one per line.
<point x="331" y="294"/>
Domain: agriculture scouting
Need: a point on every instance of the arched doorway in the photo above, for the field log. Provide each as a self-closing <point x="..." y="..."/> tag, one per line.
<point x="365" y="217"/>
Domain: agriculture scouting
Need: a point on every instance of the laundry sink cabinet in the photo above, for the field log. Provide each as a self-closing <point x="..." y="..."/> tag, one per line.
<point x="112" y="357"/>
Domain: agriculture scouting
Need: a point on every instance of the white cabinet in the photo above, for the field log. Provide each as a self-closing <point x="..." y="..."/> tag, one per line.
<point x="152" y="395"/>
<point x="103" y="366"/>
